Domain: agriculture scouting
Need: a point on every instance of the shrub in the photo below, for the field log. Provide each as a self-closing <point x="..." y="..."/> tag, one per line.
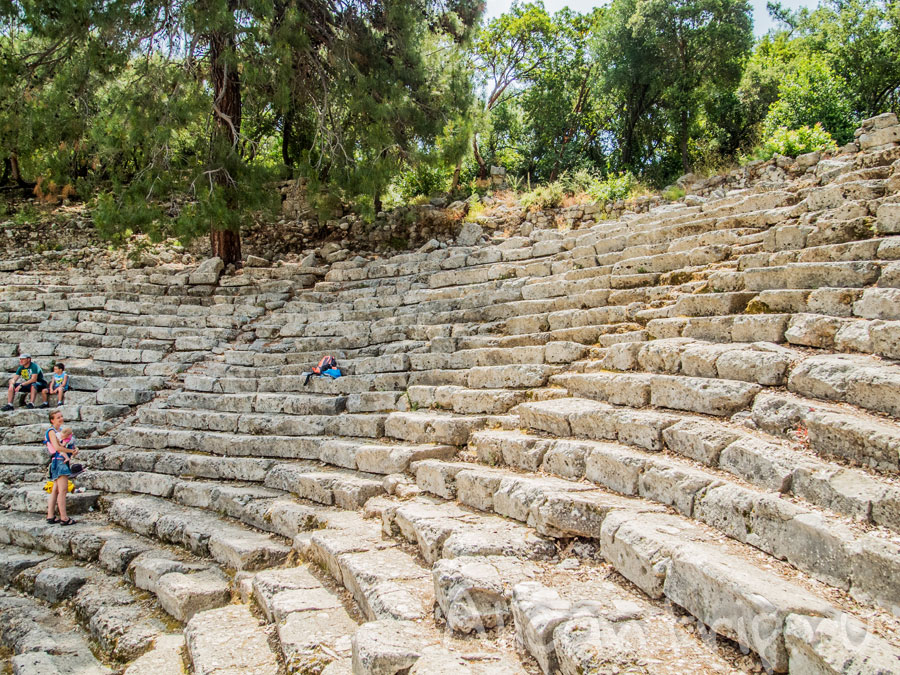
<point x="813" y="93"/>
<point x="613" y="187"/>
<point x="673" y="193"/>
<point x="543" y="197"/>
<point x="793" y="142"/>
<point x="423" y="180"/>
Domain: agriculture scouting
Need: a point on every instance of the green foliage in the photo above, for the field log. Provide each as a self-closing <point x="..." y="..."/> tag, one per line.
<point x="812" y="93"/>
<point x="794" y="142"/>
<point x="614" y="187"/>
<point x="425" y="179"/>
<point x="547" y="196"/>
<point x="673" y="193"/>
<point x="476" y="208"/>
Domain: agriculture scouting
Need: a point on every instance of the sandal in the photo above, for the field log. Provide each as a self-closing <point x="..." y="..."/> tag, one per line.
<point x="68" y="521"/>
<point x="53" y="520"/>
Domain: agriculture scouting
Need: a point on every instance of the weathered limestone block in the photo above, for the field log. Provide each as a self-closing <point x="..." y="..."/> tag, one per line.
<point x="813" y="330"/>
<point x="759" y="462"/>
<point x="165" y="657"/>
<point x="388" y="459"/>
<point x="879" y="137"/>
<point x="588" y="644"/>
<point x="565" y="458"/>
<point x="626" y="389"/>
<point x="509" y="377"/>
<point x="622" y="356"/>
<point x="888" y="218"/>
<point x="662" y="356"/>
<point x="833" y="301"/>
<point x="885" y="338"/>
<point x="699" y="359"/>
<point x="854" y="379"/>
<point x="513" y="448"/>
<point x="424" y="427"/>
<point x="768" y="367"/>
<point x="470" y="593"/>
<point x="387" y="647"/>
<point x="835" y="645"/>
<point x="54" y="584"/>
<point x="760" y="327"/>
<point x="311" y="639"/>
<point x="184" y="595"/>
<point x="537" y="611"/>
<point x="713" y="397"/>
<point x="615" y="467"/>
<point x="229" y="639"/>
<point x="738" y="601"/>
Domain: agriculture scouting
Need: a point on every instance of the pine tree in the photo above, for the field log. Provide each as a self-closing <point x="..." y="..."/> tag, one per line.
<point x="358" y="89"/>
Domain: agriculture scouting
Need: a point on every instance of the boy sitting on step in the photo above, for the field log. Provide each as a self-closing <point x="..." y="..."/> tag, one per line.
<point x="59" y="383"/>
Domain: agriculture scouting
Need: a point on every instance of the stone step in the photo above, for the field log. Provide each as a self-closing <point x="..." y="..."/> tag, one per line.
<point x="350" y="384"/>
<point x="811" y="540"/>
<point x="314" y="629"/>
<point x="126" y="459"/>
<point x="760" y="362"/>
<point x="464" y="401"/>
<point x="385" y="582"/>
<point x="182" y="586"/>
<point x="852" y="274"/>
<point x="292" y="404"/>
<point x="345" y="489"/>
<point x="442" y="529"/>
<point x="867" y="382"/>
<point x="832" y="431"/>
<point x="596" y="628"/>
<point x="43" y="642"/>
<point x="367" y="425"/>
<point x="712" y="579"/>
<point x="200" y="532"/>
<point x="33" y="499"/>
<point x="30" y="455"/>
<point x="395" y="646"/>
<point x="693" y="394"/>
<point x="224" y="444"/>
<point x="229" y="640"/>
<point x="124" y="623"/>
<point x="479" y="560"/>
<point x="755" y="459"/>
<point x="165" y="657"/>
<point x="428" y="427"/>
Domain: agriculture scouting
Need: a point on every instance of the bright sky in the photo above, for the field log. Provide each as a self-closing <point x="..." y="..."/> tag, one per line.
<point x="761" y="20"/>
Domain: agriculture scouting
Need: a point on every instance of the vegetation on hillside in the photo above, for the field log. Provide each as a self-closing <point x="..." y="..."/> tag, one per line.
<point x="174" y="118"/>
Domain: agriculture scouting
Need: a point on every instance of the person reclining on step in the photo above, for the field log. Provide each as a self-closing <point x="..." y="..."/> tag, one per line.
<point x="28" y="378"/>
<point x="328" y="367"/>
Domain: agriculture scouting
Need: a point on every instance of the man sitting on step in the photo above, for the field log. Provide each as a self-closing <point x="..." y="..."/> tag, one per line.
<point x="28" y="378"/>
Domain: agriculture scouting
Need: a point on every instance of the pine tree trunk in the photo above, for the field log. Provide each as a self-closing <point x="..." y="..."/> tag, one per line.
<point x="226" y="244"/>
<point x="482" y="166"/>
<point x="683" y="143"/>
<point x="456" y="173"/>
<point x="15" y="174"/>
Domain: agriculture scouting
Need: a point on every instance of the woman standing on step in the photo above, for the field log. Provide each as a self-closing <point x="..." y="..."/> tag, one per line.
<point x="59" y="471"/>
